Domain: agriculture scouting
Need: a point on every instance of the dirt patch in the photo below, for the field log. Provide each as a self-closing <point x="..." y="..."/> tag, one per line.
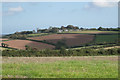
<point x="54" y="59"/>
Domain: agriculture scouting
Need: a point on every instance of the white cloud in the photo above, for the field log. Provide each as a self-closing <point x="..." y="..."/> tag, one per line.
<point x="105" y="0"/>
<point x="16" y="9"/>
<point x="13" y="10"/>
<point x="101" y="4"/>
<point x="104" y="3"/>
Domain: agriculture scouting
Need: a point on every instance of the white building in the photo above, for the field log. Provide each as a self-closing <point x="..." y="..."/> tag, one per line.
<point x="60" y="31"/>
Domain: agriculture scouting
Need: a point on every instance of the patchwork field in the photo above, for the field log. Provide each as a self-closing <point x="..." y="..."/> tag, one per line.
<point x="60" y="67"/>
<point x="70" y="39"/>
<point x="20" y="44"/>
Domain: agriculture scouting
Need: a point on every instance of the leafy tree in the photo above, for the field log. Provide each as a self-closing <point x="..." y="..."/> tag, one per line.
<point x="3" y="44"/>
<point x="70" y="27"/>
<point x="76" y="27"/>
<point x="81" y="28"/>
<point x="62" y="27"/>
<point x="54" y="30"/>
<point x="100" y="28"/>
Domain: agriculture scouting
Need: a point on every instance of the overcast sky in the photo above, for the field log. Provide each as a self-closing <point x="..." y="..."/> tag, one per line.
<point x="33" y="15"/>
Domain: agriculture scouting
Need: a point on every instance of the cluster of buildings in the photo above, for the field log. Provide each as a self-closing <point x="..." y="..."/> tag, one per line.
<point x="68" y="28"/>
<point x="59" y="30"/>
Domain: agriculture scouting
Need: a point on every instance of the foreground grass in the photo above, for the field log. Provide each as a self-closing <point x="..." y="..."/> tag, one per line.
<point x="63" y="69"/>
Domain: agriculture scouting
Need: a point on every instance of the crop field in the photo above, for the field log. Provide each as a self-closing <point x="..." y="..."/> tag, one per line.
<point x="38" y="34"/>
<point x="20" y="44"/>
<point x="92" y="32"/>
<point x="71" y="39"/>
<point x="60" y="67"/>
<point x="108" y="38"/>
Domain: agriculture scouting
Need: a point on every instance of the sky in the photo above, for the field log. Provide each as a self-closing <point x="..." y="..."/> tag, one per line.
<point x="22" y="16"/>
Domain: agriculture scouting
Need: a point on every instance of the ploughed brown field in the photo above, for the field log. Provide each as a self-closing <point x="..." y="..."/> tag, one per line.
<point x="20" y="44"/>
<point x="71" y="39"/>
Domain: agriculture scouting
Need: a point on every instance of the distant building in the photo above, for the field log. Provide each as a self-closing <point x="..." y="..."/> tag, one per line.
<point x="66" y="30"/>
<point x="60" y="31"/>
<point x="71" y="30"/>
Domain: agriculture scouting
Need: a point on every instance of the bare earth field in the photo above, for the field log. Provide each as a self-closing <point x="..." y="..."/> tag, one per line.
<point x="20" y="44"/>
<point x="71" y="39"/>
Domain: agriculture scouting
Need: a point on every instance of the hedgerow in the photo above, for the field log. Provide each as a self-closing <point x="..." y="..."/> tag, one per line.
<point x="61" y="52"/>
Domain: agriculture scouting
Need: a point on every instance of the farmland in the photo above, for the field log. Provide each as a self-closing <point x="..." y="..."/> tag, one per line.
<point x="92" y="32"/>
<point x="107" y="38"/>
<point x="94" y="61"/>
<point x="20" y="44"/>
<point x="38" y="34"/>
<point x="60" y="67"/>
<point x="71" y="39"/>
<point x="59" y="40"/>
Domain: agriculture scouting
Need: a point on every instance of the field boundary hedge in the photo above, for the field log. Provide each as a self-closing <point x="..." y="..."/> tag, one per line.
<point x="61" y="52"/>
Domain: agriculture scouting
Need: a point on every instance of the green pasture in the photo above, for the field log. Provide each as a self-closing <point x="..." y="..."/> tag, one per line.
<point x="62" y="69"/>
<point x="106" y="38"/>
<point x="91" y="32"/>
<point x="37" y="34"/>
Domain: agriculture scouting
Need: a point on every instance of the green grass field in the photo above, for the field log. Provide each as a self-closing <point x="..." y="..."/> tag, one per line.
<point x="38" y="34"/>
<point x="89" y="67"/>
<point x="91" y="32"/>
<point x="106" y="38"/>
